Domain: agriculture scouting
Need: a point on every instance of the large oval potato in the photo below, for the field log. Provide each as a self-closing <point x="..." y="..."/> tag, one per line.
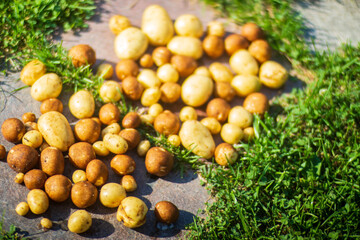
<point x="197" y="137"/>
<point x="82" y="104"/>
<point x="32" y="72"/>
<point x="80" y="221"/>
<point x="245" y="84"/>
<point x="131" y="44"/>
<point x="56" y="130"/>
<point x="188" y="25"/>
<point x="273" y="74"/>
<point x="186" y="46"/>
<point x="243" y="63"/>
<point x="38" y="201"/>
<point x="47" y="86"/>
<point x="132" y="211"/>
<point x="196" y="90"/>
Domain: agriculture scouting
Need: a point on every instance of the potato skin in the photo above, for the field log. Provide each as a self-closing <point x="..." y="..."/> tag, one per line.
<point x="51" y="104"/>
<point x="115" y="143"/>
<point x="170" y="92"/>
<point x="32" y="72"/>
<point x="97" y="173"/>
<point x="260" y="50"/>
<point x="219" y="109"/>
<point x="2" y="152"/>
<point x="82" y="104"/>
<point x="82" y="54"/>
<point x="131" y="136"/>
<point x="110" y="91"/>
<point x="58" y="187"/>
<point x="131" y="120"/>
<point x="118" y="23"/>
<point x="22" y="158"/>
<point x="273" y="74"/>
<point x="84" y="194"/>
<point x="131" y="43"/>
<point x="35" y="179"/>
<point x="126" y="68"/>
<point x="252" y="31"/>
<point x="132" y="211"/>
<point x="235" y="42"/>
<point x="167" y="123"/>
<point x="213" y="46"/>
<point x="87" y="130"/>
<point x="28" y="117"/>
<point x="132" y="88"/>
<point x="123" y="164"/>
<point x="38" y="201"/>
<point x="225" y="154"/>
<point x="13" y="130"/>
<point x="109" y="113"/>
<point x="80" y="221"/>
<point x="243" y="63"/>
<point x="224" y="90"/>
<point x="184" y="65"/>
<point x="256" y="103"/>
<point x="52" y="161"/>
<point x="80" y="154"/>
<point x="111" y="195"/>
<point x="188" y="25"/>
<point x="196" y="90"/>
<point x="158" y="161"/>
<point x="166" y="212"/>
<point x="186" y="46"/>
<point x="48" y="86"/>
<point x="161" y="56"/>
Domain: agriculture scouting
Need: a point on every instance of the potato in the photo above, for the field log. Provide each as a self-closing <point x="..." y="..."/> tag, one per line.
<point x="79" y="176"/>
<point x="87" y="130"/>
<point x="245" y="84"/>
<point x="170" y="92"/>
<point x="256" y="103"/>
<point x="128" y="182"/>
<point x="155" y="110"/>
<point x="100" y="149"/>
<point x="150" y="96"/>
<point x="131" y="136"/>
<point x="105" y="71"/>
<point x="215" y="28"/>
<point x="22" y="158"/>
<point x="32" y="139"/>
<point x="97" y="173"/>
<point x="213" y="46"/>
<point x="260" y="50"/>
<point x="166" y="212"/>
<point x="188" y="113"/>
<point x="80" y="154"/>
<point x="80" y="221"/>
<point x="19" y="178"/>
<point x="242" y="63"/>
<point x="224" y="90"/>
<point x="115" y="144"/>
<point x="82" y="104"/>
<point x="184" y="65"/>
<point x="174" y="140"/>
<point x="202" y="70"/>
<point x="220" y="73"/>
<point x="219" y="109"/>
<point x="231" y="133"/>
<point x="143" y="147"/>
<point x="112" y="128"/>
<point x="132" y="211"/>
<point x="96" y="119"/>
<point x="84" y="194"/>
<point x="109" y="113"/>
<point x="240" y="117"/>
<point x="225" y="154"/>
<point x="131" y="43"/>
<point x="126" y="68"/>
<point x="147" y="119"/>
<point x="197" y="138"/>
<point x="82" y="55"/>
<point x="252" y="31"/>
<point x="161" y="56"/>
<point x="148" y="79"/>
<point x="196" y="90"/>
<point x="31" y="126"/>
<point x="111" y="195"/>
<point x="118" y="23"/>
<point x="51" y="104"/>
<point x="46" y="223"/>
<point x="212" y="124"/>
<point x="38" y="201"/>
<point x="157" y="25"/>
<point x="2" y="152"/>
<point x="273" y="74"/>
<point x="167" y="73"/>
<point x="146" y="61"/>
<point x="122" y="164"/>
<point x="22" y="208"/>
<point x="188" y="25"/>
<point x="28" y="117"/>
<point x="167" y="123"/>
<point x="58" y="188"/>
<point x="132" y="88"/>
<point x="186" y="46"/>
<point x="249" y="134"/>
<point x="235" y="42"/>
<point x="131" y="120"/>
<point x="35" y="179"/>
<point x="110" y="91"/>
<point x="13" y="130"/>
<point x="52" y="161"/>
<point x="32" y="72"/>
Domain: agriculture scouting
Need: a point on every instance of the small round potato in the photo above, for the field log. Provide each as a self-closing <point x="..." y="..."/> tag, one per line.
<point x="80" y="221"/>
<point x="252" y="31"/>
<point x="161" y="56"/>
<point x="240" y="117"/>
<point x="216" y="28"/>
<point x="167" y="123"/>
<point x="46" y="223"/>
<point x="148" y="79"/>
<point x="174" y="140"/>
<point x="273" y="74"/>
<point x="203" y="71"/>
<point x="128" y="182"/>
<point x="143" y="147"/>
<point x="212" y="124"/>
<point x="115" y="144"/>
<point x="235" y="42"/>
<point x="150" y="96"/>
<point x="2" y="152"/>
<point x="146" y="61"/>
<point x="109" y="113"/>
<point x="100" y="149"/>
<point x="224" y="90"/>
<point x="188" y="25"/>
<point x="155" y="110"/>
<point x="131" y="136"/>
<point x="97" y="172"/>
<point x="184" y="65"/>
<point x="213" y="46"/>
<point x="167" y="73"/>
<point x="79" y="176"/>
<point x="51" y="104"/>
<point x="220" y="73"/>
<point x="166" y="212"/>
<point x="80" y="154"/>
<point x="147" y="119"/>
<point x="105" y="71"/>
<point x="58" y="188"/>
<point x="219" y="109"/>
<point x="28" y="117"/>
<point x="19" y="178"/>
<point x="84" y="194"/>
<point x="35" y="179"/>
<point x="231" y="133"/>
<point x="245" y="84"/>
<point x="13" y="130"/>
<point x="131" y="120"/>
<point x="82" y="55"/>
<point x="126" y="68"/>
<point x="22" y="158"/>
<point x="170" y="92"/>
<point x="32" y="72"/>
<point x="82" y="104"/>
<point x="225" y="154"/>
<point x="260" y="50"/>
<point x="131" y="43"/>
<point x="22" y="208"/>
<point x="249" y="134"/>
<point x="87" y="130"/>
<point x="31" y="126"/>
<point x="196" y="90"/>
<point x="38" y="201"/>
<point x="132" y="211"/>
<point x="32" y="139"/>
<point x="111" y="195"/>
<point x="242" y="63"/>
<point x="52" y="161"/>
<point x="158" y="161"/>
<point x="118" y="23"/>
<point x="188" y="113"/>
<point x="256" y="103"/>
<point x="123" y="164"/>
<point x="112" y="128"/>
<point x="132" y="88"/>
<point x="110" y="91"/>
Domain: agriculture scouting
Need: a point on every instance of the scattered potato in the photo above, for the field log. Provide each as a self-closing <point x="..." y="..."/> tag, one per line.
<point x="79" y="176"/>
<point x="109" y="113"/>
<point x="245" y="84"/>
<point x="80" y="154"/>
<point x="126" y="68"/>
<point x="161" y="56"/>
<point x="2" y="152"/>
<point x="80" y="221"/>
<point x="19" y="178"/>
<point x="132" y="211"/>
<point x="58" y="188"/>
<point x="147" y="119"/>
<point x="52" y="161"/>
<point x="22" y="208"/>
<point x="212" y="124"/>
<point x="167" y="123"/>
<point x="105" y="70"/>
<point x="97" y="172"/>
<point x="188" y="25"/>
<point x="129" y="183"/>
<point x="131" y="136"/>
<point x="82" y="104"/>
<point x="220" y="73"/>
<point x="215" y="28"/>
<point x="87" y="130"/>
<point x="131" y="43"/>
<point x="110" y="91"/>
<point x="123" y="164"/>
<point x="32" y="72"/>
<point x="46" y="223"/>
<point x="82" y="54"/>
<point x="242" y="63"/>
<point x="240" y="117"/>
<point x="131" y="120"/>
<point x="132" y="88"/>
<point x="155" y="110"/>
<point x="273" y="74"/>
<point x="231" y="133"/>
<point x="32" y="139"/>
<point x="118" y="23"/>
<point x="51" y="104"/>
<point x="166" y="212"/>
<point x="146" y="61"/>
<point x="186" y="46"/>
<point x="22" y="158"/>
<point x="143" y="147"/>
<point x="225" y="154"/>
<point x="184" y="65"/>
<point x="148" y="79"/>
<point x="174" y="140"/>
<point x="188" y="113"/>
<point x="249" y="134"/>
<point x="260" y="50"/>
<point x="170" y="92"/>
<point x="235" y="42"/>
<point x="252" y="31"/>
<point x="167" y="73"/>
<point x="35" y="179"/>
<point x="111" y="195"/>
<point x="115" y="144"/>
<point x="47" y="86"/>
<point x="196" y="90"/>
<point x="202" y="70"/>
<point x="38" y="201"/>
<point x="219" y="109"/>
<point x="112" y="128"/>
<point x="28" y="117"/>
<point x="256" y="103"/>
<point x="158" y="161"/>
<point x="13" y="130"/>
<point x="150" y="96"/>
<point x="83" y="194"/>
<point x="213" y="46"/>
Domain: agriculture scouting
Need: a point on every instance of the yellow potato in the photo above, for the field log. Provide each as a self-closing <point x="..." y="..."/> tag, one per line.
<point x="82" y="104"/>
<point x="147" y="78"/>
<point x="131" y="43"/>
<point x="112" y="128"/>
<point x="147" y="119"/>
<point x="231" y="133"/>
<point x="196" y="90"/>
<point x="143" y="147"/>
<point x="245" y="84"/>
<point x="132" y="211"/>
<point x="118" y="23"/>
<point x="273" y="74"/>
<point x="212" y="124"/>
<point x="186" y="46"/>
<point x="47" y="86"/>
<point x="46" y="223"/>
<point x="80" y="221"/>
<point x="215" y="28"/>
<point x="202" y="70"/>
<point x="188" y="25"/>
<point x="79" y="176"/>
<point x="174" y="140"/>
<point x="167" y="73"/>
<point x="33" y="139"/>
<point x="220" y="73"/>
<point x="240" y="117"/>
<point x="56" y="130"/>
<point x="196" y="137"/>
<point x="150" y="96"/>
<point x="115" y="144"/>
<point x="242" y="63"/>
<point x="155" y="110"/>
<point x="32" y="72"/>
<point x="188" y="113"/>
<point x="19" y="178"/>
<point x="105" y="70"/>
<point x="111" y="195"/>
<point x="110" y="91"/>
<point x="38" y="201"/>
<point x="22" y="208"/>
<point x="100" y="149"/>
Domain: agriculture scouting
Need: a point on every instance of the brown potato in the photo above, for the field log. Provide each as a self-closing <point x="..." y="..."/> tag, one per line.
<point x="166" y="212"/>
<point x="131" y="136"/>
<point x="126" y="68"/>
<point x="35" y="179"/>
<point x="2" y="152"/>
<point x="256" y="103"/>
<point x="167" y="123"/>
<point x="84" y="194"/>
<point x="96" y="119"/>
<point x="52" y="161"/>
<point x="260" y="50"/>
<point x="131" y="120"/>
<point x="31" y="126"/>
<point x="235" y="42"/>
<point x="80" y="154"/>
<point x="184" y="65"/>
<point x="87" y="130"/>
<point x="82" y="54"/>
<point x="158" y="161"/>
<point x="132" y="88"/>
<point x="213" y="46"/>
<point x="128" y="182"/>
<point x="170" y="92"/>
<point x="225" y="154"/>
<point x="51" y="104"/>
<point x="123" y="164"/>
<point x="219" y="109"/>
<point x="28" y="117"/>
<point x="161" y="55"/>
<point x="22" y="158"/>
<point x="13" y="130"/>
<point x="252" y="31"/>
<point x="146" y="61"/>
<point x="58" y="187"/>
<point x="224" y="90"/>
<point x="97" y="173"/>
<point x="109" y="113"/>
